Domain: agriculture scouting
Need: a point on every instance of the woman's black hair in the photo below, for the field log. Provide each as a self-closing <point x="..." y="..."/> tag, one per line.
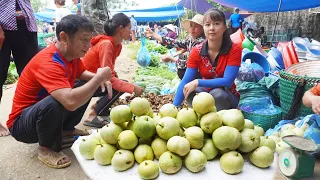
<point x="117" y="20"/>
<point x="218" y="15"/>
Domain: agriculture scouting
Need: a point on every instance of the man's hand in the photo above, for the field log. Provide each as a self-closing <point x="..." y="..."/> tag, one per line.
<point x="190" y="87"/>
<point x="107" y="85"/>
<point x="104" y="73"/>
<point x="316" y="104"/>
<point x="138" y="91"/>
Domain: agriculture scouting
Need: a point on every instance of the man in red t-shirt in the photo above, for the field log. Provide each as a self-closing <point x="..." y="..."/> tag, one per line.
<point x="311" y="99"/>
<point x="46" y="107"/>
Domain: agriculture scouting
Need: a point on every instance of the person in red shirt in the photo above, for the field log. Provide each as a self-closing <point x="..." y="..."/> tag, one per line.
<point x="218" y="61"/>
<point x="311" y="99"/>
<point x="46" y="107"/>
<point x="104" y="52"/>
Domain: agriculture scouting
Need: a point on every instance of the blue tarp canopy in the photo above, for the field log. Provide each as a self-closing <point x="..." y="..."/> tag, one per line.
<point x="202" y="6"/>
<point x="154" y="14"/>
<point x="270" y="5"/>
<point x="47" y="15"/>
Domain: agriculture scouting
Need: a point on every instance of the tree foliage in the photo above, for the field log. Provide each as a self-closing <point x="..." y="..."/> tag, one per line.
<point x="221" y="7"/>
<point x="39" y="5"/>
<point x="121" y="4"/>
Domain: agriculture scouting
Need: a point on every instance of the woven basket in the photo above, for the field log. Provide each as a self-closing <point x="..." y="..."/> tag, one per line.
<point x="264" y="121"/>
<point x="308" y="71"/>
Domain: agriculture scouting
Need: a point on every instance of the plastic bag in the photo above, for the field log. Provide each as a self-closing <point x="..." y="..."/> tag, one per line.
<point x="172" y="67"/>
<point x="250" y="72"/>
<point x="144" y="57"/>
<point x="313" y="132"/>
<point x="262" y="106"/>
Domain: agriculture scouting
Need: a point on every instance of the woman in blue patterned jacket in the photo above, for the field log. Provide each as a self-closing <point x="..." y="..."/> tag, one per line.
<point x="196" y="36"/>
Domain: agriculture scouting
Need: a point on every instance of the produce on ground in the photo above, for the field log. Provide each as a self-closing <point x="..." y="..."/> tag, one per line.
<point x="174" y="142"/>
<point x="156" y="101"/>
<point x="155" y="79"/>
<point x="155" y="60"/>
<point x="12" y="74"/>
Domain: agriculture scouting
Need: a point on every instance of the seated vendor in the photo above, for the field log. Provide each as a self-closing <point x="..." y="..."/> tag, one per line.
<point x="104" y="52"/>
<point x="46" y="106"/>
<point x="218" y="61"/>
<point x="196" y="36"/>
<point x="311" y="99"/>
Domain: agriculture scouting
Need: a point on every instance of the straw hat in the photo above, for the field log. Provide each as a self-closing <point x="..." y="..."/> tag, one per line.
<point x="171" y="27"/>
<point x="198" y="18"/>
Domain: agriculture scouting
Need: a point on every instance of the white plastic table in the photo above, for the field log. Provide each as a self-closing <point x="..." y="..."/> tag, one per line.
<point x="212" y="171"/>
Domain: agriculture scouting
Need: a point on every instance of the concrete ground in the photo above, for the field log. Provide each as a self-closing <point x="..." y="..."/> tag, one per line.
<point x="19" y="161"/>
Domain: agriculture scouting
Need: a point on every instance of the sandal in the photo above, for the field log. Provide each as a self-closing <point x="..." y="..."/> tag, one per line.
<point x="76" y="132"/>
<point x="53" y="158"/>
<point x="98" y="121"/>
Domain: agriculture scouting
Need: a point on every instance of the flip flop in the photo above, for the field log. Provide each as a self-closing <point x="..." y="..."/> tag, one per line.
<point x="98" y="121"/>
<point x="53" y="158"/>
<point x="77" y="133"/>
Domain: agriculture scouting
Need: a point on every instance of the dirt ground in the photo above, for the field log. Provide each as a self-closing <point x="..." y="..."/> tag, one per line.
<point x="19" y="160"/>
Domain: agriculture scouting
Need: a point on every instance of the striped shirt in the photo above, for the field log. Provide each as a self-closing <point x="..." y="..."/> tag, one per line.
<point x="8" y="15"/>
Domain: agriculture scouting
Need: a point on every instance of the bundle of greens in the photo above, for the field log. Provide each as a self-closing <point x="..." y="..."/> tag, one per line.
<point x="12" y="74"/>
<point x="153" y="78"/>
<point x="155" y="60"/>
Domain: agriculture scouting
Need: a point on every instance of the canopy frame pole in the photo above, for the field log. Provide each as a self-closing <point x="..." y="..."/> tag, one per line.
<point x="275" y="26"/>
<point x="179" y="20"/>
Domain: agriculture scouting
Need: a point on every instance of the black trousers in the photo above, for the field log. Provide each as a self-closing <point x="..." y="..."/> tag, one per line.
<point x="44" y="122"/>
<point x="22" y="44"/>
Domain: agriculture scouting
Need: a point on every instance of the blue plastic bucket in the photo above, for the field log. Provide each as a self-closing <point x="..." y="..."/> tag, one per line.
<point x="259" y="59"/>
<point x="300" y="43"/>
<point x="245" y="51"/>
<point x="277" y="55"/>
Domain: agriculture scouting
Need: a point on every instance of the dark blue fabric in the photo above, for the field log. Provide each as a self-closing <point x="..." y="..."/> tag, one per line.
<point x="270" y="5"/>
<point x="42" y="93"/>
<point x="227" y="80"/>
<point x="56" y="58"/>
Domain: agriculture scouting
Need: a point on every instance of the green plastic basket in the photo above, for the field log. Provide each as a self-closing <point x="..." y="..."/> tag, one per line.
<point x="308" y="71"/>
<point x="264" y="121"/>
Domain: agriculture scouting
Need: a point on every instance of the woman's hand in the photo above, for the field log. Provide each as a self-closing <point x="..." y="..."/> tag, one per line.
<point x="149" y="33"/>
<point x="190" y="87"/>
<point x="167" y="58"/>
<point x="138" y="91"/>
